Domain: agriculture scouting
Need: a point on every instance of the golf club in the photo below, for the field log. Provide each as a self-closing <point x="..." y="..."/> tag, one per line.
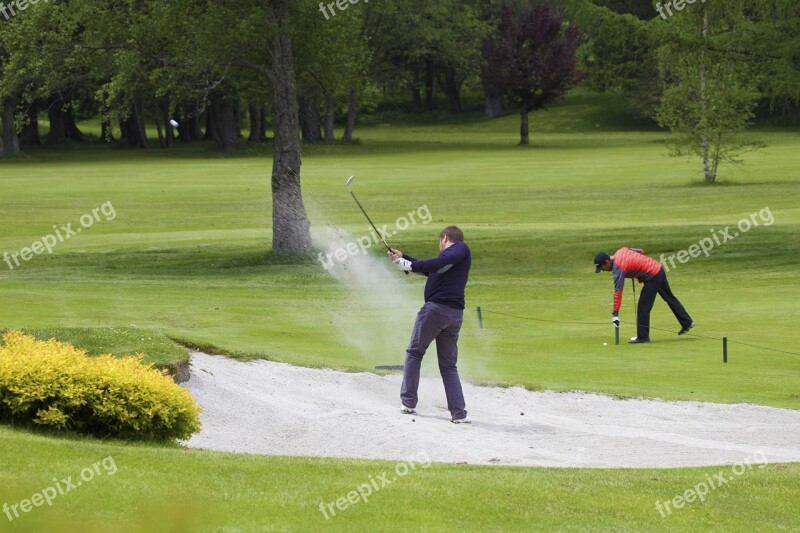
<point x="347" y="184"/>
<point x="389" y="367"/>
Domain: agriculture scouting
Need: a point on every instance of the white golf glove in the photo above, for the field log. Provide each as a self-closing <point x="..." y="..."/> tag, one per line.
<point x="615" y="320"/>
<point x="403" y="264"/>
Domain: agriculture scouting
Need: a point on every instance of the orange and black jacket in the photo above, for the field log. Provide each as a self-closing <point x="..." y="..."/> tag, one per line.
<point x="631" y="263"/>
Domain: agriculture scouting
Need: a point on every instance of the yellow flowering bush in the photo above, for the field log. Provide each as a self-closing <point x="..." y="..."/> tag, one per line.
<point x="54" y="384"/>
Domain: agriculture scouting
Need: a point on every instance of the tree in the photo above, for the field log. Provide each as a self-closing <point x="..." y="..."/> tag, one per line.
<point x="397" y="37"/>
<point x="291" y="232"/>
<point x="532" y="57"/>
<point x="617" y="50"/>
<point x="711" y="86"/>
<point x="336" y="77"/>
<point x="776" y="47"/>
<point x="642" y="9"/>
<point x="456" y="46"/>
<point x="10" y="85"/>
<point x="420" y="44"/>
<point x="205" y="67"/>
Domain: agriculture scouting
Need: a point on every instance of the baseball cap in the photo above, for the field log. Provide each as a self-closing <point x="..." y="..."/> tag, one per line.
<point x="599" y="261"/>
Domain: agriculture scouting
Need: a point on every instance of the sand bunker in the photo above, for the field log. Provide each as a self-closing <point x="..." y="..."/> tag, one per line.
<point x="277" y="409"/>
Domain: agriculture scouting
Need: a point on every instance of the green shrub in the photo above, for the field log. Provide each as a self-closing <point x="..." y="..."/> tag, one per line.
<point x="54" y="384"/>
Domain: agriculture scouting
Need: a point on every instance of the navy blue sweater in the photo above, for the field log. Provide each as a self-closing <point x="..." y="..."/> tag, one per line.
<point x="447" y="275"/>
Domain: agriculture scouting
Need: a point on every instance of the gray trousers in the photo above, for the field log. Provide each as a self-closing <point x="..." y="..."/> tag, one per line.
<point x="443" y="323"/>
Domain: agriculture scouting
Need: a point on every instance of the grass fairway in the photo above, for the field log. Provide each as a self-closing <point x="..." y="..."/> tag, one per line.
<point x="188" y="254"/>
<point x="168" y="489"/>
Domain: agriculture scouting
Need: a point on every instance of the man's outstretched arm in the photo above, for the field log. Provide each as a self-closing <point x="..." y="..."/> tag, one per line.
<point x="619" y="285"/>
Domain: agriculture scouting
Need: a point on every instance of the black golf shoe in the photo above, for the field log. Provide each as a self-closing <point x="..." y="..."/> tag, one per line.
<point x="685" y="329"/>
<point x="637" y="340"/>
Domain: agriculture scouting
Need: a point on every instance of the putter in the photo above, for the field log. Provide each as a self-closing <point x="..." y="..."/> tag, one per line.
<point x="347" y="184"/>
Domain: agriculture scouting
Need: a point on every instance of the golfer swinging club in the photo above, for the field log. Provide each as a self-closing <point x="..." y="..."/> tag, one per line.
<point x="440" y="318"/>
<point x="632" y="263"/>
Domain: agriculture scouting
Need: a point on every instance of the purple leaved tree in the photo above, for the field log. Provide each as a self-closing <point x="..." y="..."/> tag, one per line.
<point x="531" y="59"/>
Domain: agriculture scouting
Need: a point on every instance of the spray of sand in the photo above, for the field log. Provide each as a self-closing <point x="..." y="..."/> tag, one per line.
<point x="380" y="303"/>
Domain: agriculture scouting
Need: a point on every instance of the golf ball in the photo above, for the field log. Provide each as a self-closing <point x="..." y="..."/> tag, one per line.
<point x="605" y="344"/>
<point x="174" y="123"/>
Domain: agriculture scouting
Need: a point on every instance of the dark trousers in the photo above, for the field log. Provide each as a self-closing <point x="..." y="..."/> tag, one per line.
<point x="658" y="285"/>
<point x="443" y="323"/>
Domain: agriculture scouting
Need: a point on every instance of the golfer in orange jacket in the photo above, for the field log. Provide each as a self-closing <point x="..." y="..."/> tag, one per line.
<point x="632" y="263"/>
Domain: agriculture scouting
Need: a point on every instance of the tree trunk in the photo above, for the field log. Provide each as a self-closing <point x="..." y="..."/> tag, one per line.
<point x="493" y="106"/>
<point x="792" y="112"/>
<point x="715" y="158"/>
<point x="62" y="124"/>
<point x="162" y="114"/>
<point x="57" y="133"/>
<point x="224" y="122"/>
<point x="169" y="130"/>
<point x="71" y="127"/>
<point x="161" y="141"/>
<point x="309" y="117"/>
<point x="523" y="129"/>
<point x="255" y="123"/>
<point x="190" y="125"/>
<point x="429" y="79"/>
<point x="141" y="133"/>
<point x="329" y="123"/>
<point x="133" y="126"/>
<point x="708" y="173"/>
<point x="453" y="90"/>
<point x="10" y="139"/>
<point x="291" y="233"/>
<point x="30" y="133"/>
<point x="106" y="131"/>
<point x="417" y="99"/>
<point x="263" y="114"/>
<point x="210" y="134"/>
<point x="350" y="124"/>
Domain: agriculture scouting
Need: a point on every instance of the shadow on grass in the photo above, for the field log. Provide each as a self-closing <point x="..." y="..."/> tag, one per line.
<point x="217" y="262"/>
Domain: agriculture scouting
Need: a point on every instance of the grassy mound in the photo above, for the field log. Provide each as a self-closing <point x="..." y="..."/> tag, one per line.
<point x="158" y="349"/>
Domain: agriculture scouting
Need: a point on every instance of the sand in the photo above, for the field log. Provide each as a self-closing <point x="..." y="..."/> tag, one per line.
<point x="262" y="407"/>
